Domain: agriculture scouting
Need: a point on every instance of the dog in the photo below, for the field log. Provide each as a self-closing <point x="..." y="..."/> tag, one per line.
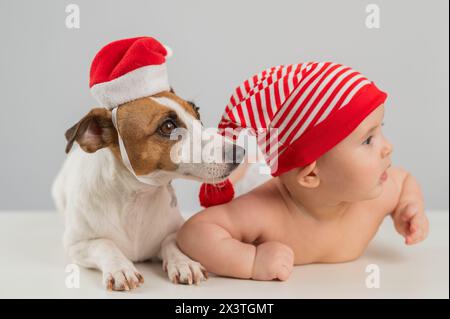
<point x="112" y="218"/>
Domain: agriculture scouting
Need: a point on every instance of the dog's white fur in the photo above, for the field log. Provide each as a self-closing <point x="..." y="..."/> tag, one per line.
<point x="113" y="220"/>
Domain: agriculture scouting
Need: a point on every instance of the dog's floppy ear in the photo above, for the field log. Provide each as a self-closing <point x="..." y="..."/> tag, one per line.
<point x="93" y="132"/>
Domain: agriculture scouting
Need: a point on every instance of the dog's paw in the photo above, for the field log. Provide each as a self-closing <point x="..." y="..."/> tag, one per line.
<point x="185" y="271"/>
<point x="122" y="278"/>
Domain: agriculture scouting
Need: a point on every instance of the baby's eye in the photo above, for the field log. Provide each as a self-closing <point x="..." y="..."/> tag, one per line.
<point x="368" y="140"/>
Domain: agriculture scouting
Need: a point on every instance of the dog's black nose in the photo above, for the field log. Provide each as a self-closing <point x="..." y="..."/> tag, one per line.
<point x="234" y="154"/>
<point x="238" y="154"/>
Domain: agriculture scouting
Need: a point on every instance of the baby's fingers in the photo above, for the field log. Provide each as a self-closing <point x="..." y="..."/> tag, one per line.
<point x="414" y="238"/>
<point x="418" y="230"/>
<point x="425" y="225"/>
<point x="402" y="227"/>
<point x="409" y="212"/>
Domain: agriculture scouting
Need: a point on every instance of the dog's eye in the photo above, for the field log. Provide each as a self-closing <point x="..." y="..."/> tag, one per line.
<point x="167" y="127"/>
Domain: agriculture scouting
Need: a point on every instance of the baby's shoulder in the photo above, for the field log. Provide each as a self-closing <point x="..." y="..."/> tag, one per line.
<point x="248" y="215"/>
<point x="259" y="203"/>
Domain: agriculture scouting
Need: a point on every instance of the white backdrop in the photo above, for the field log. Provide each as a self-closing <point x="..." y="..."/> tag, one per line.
<point x="44" y="69"/>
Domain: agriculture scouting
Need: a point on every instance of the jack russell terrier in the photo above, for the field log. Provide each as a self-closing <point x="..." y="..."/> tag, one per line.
<point x="112" y="218"/>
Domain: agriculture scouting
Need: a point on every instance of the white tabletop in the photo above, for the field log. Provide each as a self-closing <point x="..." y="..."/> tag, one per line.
<point x="33" y="264"/>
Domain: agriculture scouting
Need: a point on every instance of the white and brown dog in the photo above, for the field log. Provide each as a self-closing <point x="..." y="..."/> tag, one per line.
<point x="112" y="219"/>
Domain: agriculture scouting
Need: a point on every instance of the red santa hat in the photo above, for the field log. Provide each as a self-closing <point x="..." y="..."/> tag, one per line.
<point x="129" y="69"/>
<point x="305" y="109"/>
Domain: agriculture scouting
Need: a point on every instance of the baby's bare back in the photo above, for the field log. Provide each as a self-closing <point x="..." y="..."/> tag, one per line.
<point x="262" y="215"/>
<point x="261" y="234"/>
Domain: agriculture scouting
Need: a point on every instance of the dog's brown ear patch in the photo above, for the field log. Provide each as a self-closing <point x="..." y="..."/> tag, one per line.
<point x="93" y="132"/>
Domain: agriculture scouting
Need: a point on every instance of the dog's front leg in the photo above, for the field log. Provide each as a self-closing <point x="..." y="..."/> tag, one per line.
<point x="119" y="273"/>
<point x="179" y="267"/>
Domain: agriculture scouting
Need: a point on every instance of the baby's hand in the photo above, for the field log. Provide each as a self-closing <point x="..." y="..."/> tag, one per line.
<point x="273" y="260"/>
<point x="412" y="223"/>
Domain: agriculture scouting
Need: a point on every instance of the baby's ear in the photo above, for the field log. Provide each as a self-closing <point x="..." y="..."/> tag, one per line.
<point x="93" y="132"/>
<point x="308" y="176"/>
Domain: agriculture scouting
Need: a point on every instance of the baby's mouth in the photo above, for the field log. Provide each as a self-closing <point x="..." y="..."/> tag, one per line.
<point x="384" y="175"/>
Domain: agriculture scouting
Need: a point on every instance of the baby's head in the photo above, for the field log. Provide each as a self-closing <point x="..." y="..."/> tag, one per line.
<point x="312" y="122"/>
<point x="353" y="170"/>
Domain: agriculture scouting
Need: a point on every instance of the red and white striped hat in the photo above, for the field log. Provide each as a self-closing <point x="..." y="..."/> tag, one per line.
<point x="129" y="69"/>
<point x="305" y="109"/>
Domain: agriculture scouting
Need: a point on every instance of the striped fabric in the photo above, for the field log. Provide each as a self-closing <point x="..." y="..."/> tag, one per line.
<point x="283" y="103"/>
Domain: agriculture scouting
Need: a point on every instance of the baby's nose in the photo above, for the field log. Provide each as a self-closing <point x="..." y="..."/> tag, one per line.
<point x="387" y="150"/>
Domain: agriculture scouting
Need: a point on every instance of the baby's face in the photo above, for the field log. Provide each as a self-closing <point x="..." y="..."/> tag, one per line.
<point x="356" y="165"/>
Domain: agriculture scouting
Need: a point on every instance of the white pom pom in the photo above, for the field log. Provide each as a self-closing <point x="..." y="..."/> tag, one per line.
<point x="169" y="51"/>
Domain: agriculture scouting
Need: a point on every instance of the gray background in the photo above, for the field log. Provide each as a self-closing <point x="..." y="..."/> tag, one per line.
<point x="44" y="71"/>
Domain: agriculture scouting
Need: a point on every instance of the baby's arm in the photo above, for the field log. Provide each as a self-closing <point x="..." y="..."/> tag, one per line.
<point x="213" y="246"/>
<point x="409" y="215"/>
<point x="221" y="239"/>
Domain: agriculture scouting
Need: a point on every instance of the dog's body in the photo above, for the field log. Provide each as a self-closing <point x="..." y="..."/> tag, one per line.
<point x="111" y="218"/>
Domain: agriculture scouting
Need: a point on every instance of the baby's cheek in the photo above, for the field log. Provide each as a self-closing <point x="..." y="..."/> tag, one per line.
<point x="361" y="185"/>
<point x="352" y="180"/>
<point x="373" y="185"/>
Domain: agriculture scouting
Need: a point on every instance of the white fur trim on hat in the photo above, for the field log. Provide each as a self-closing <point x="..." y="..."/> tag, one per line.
<point x="133" y="85"/>
<point x="169" y="51"/>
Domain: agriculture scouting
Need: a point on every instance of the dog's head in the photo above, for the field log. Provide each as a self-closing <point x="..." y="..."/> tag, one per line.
<point x="157" y="132"/>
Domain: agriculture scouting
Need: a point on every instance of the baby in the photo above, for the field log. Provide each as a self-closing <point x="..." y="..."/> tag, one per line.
<point x="332" y="186"/>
